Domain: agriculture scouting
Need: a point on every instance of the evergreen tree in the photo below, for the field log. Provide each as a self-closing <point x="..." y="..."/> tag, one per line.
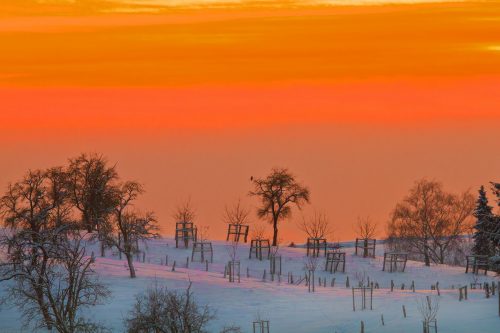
<point x="495" y="222"/>
<point x="483" y="242"/>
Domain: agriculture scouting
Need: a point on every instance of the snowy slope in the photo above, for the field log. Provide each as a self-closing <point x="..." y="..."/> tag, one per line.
<point x="290" y="308"/>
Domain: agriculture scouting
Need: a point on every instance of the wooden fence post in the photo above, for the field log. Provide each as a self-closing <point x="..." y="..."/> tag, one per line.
<point x="404" y="311"/>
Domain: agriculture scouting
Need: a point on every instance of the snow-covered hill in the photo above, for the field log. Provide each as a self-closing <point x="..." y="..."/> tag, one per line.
<point x="289" y="307"/>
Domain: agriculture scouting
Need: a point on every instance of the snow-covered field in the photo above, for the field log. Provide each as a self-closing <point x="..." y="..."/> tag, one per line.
<point x="291" y="308"/>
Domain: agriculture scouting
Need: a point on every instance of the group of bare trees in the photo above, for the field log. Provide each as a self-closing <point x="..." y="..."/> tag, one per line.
<point x="429" y="223"/>
<point x="49" y="215"/>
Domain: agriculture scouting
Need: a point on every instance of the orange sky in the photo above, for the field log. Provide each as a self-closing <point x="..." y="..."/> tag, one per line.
<point x="192" y="99"/>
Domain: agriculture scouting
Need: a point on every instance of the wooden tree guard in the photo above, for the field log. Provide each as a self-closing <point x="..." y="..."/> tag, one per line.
<point x="333" y="260"/>
<point x="363" y="291"/>
<point x="258" y="246"/>
<point x="204" y="249"/>
<point x="427" y="325"/>
<point x="236" y="231"/>
<point x="233" y="270"/>
<point x="477" y="262"/>
<point x="275" y="265"/>
<point x="185" y="231"/>
<point x="315" y="245"/>
<point x="396" y="261"/>
<point x="261" y="326"/>
<point x="462" y="293"/>
<point x="367" y="247"/>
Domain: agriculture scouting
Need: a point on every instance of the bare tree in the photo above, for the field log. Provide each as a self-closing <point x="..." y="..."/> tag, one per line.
<point x="53" y="264"/>
<point x="236" y="214"/>
<point x="59" y="196"/>
<point x="184" y="212"/>
<point x="430" y="221"/>
<point x="316" y="226"/>
<point x="366" y="228"/>
<point x="311" y="264"/>
<point x="259" y="232"/>
<point x="91" y="188"/>
<point x="277" y="192"/>
<point x="203" y="233"/>
<point x="428" y="308"/>
<point x="160" y="310"/>
<point x="27" y="206"/>
<point x="128" y="227"/>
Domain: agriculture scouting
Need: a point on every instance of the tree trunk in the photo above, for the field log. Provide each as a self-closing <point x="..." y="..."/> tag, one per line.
<point x="426" y="257"/>
<point x="43" y="307"/>
<point x="103" y="249"/>
<point x="86" y="222"/>
<point x="39" y="289"/>
<point x="275" y="232"/>
<point x="130" y="265"/>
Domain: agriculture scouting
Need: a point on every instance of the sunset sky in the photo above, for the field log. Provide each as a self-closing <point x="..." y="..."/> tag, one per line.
<point x="192" y="97"/>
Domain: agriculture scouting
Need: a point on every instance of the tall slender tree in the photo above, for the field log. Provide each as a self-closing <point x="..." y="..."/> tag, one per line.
<point x="278" y="191"/>
<point x="483" y="213"/>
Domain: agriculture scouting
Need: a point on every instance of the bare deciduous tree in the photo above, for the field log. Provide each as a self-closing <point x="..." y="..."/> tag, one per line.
<point x="236" y="214"/>
<point x="366" y="228"/>
<point x="428" y="308"/>
<point x="316" y="226"/>
<point x="59" y="195"/>
<point x="277" y="192"/>
<point x="430" y="221"/>
<point x="184" y="212"/>
<point x="311" y="264"/>
<point x="259" y="232"/>
<point x="128" y="227"/>
<point x="27" y="206"/>
<point x="203" y="233"/>
<point x="91" y="188"/>
<point x="52" y="265"/>
<point x="160" y="310"/>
